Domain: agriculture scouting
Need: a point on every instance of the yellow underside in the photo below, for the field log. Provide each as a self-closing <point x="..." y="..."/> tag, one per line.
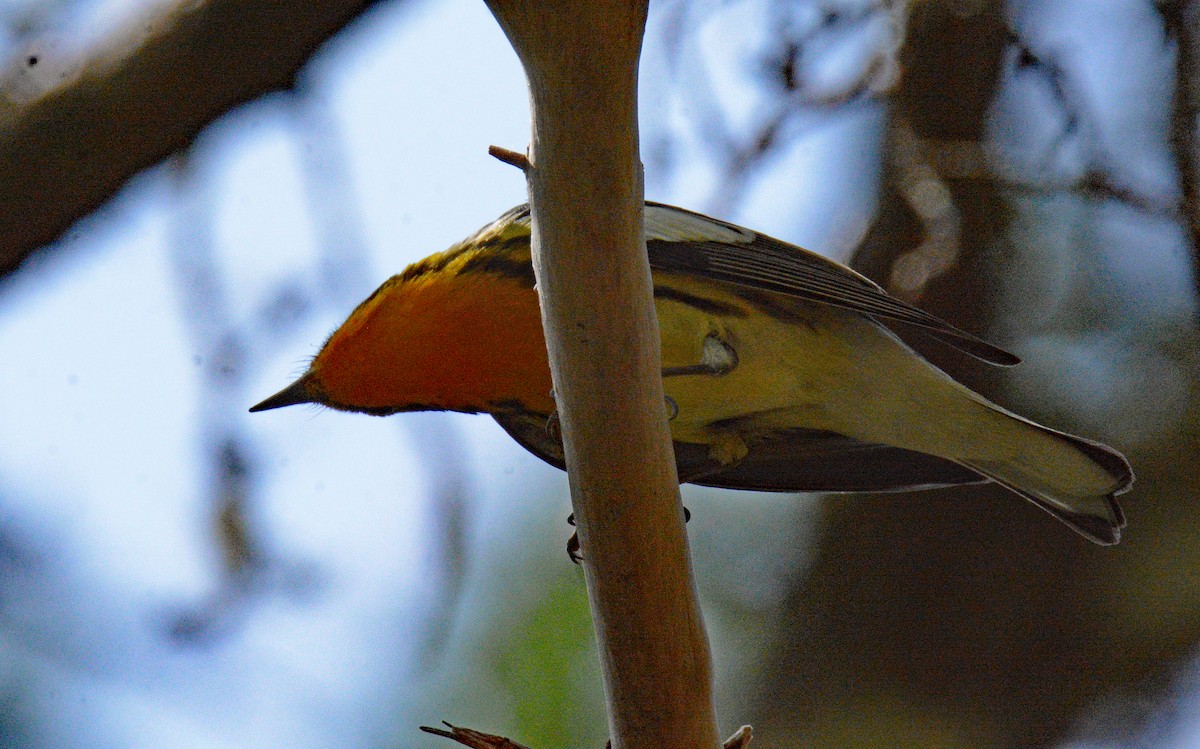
<point x="835" y="371"/>
<point x="840" y="372"/>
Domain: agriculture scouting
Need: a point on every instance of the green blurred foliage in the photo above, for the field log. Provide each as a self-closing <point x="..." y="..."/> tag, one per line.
<point x="549" y="664"/>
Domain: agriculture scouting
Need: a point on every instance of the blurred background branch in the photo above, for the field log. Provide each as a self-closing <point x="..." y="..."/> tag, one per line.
<point x="66" y="149"/>
<point x="1182" y="20"/>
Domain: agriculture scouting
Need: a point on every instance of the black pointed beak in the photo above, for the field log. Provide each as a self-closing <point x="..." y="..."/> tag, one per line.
<point x="291" y="395"/>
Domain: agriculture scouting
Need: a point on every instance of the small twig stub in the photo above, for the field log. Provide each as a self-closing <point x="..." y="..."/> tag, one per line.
<point x="473" y="739"/>
<point x="479" y="740"/>
<point x="740" y="738"/>
<point x="512" y="158"/>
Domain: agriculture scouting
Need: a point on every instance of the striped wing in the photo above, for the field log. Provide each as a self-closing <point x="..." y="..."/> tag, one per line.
<point x="685" y="242"/>
<point x="680" y="241"/>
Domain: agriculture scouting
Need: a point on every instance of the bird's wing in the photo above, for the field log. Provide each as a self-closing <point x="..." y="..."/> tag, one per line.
<point x="812" y="460"/>
<point x="792" y="460"/>
<point x="680" y="241"/>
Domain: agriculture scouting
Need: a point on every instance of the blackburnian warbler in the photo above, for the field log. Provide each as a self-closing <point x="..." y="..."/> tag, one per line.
<point x="779" y="373"/>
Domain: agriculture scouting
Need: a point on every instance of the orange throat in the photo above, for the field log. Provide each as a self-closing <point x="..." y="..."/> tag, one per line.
<point x="456" y="342"/>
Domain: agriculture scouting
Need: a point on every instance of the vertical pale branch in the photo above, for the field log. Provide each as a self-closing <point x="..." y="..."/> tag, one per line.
<point x="585" y="186"/>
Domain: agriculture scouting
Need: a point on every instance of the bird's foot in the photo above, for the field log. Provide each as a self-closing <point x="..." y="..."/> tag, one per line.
<point x="573" y="541"/>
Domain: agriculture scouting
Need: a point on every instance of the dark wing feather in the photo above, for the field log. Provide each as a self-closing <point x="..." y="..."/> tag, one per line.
<point x="795" y="460"/>
<point x="811" y="460"/>
<point x="684" y="242"/>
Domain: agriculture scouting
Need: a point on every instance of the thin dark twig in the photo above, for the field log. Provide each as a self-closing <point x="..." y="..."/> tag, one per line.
<point x="344" y="269"/>
<point x="204" y="299"/>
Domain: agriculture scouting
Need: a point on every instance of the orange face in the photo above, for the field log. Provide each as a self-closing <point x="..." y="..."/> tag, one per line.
<point x="459" y="342"/>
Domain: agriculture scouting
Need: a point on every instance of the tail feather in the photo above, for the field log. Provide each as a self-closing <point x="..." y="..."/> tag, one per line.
<point x="1074" y="479"/>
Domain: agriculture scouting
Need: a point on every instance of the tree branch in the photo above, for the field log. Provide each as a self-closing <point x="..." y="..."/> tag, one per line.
<point x="1183" y="23"/>
<point x="585" y="187"/>
<point x="66" y="152"/>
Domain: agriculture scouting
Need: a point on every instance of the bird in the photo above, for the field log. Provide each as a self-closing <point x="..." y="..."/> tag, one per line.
<point x="783" y="371"/>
